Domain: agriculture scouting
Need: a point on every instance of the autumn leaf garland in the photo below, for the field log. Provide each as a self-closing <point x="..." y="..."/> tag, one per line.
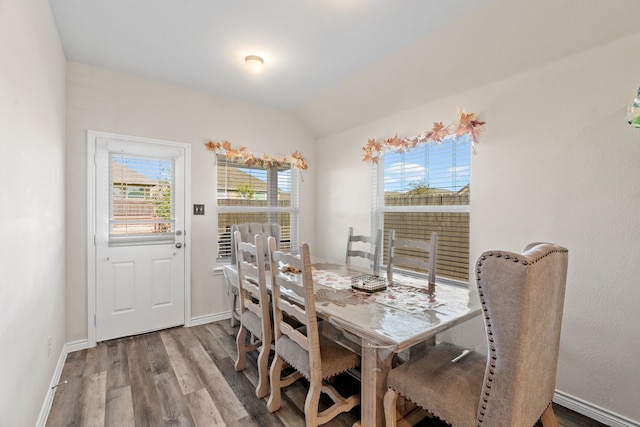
<point x="250" y="159"/>
<point x="467" y="124"/>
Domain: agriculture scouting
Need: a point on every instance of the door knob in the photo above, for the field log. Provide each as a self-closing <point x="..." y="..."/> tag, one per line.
<point x="178" y="245"/>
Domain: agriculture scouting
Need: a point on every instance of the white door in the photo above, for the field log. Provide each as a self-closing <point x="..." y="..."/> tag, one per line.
<point x="139" y="236"/>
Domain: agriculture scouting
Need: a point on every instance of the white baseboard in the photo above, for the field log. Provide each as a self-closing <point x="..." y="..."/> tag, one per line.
<point x="75" y="346"/>
<point x="592" y="411"/>
<point x="210" y="318"/>
<point x="48" y="400"/>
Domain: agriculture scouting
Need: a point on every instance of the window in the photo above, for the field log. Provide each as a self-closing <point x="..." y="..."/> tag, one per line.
<point x="256" y="194"/>
<point x="423" y="190"/>
<point x="141" y="204"/>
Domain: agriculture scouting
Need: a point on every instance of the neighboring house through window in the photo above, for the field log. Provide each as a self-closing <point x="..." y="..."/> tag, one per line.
<point x="256" y="194"/>
<point x="423" y="190"/>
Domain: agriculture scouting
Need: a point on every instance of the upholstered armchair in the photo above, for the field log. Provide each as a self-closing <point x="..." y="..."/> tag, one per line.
<point x="247" y="231"/>
<point x="522" y="297"/>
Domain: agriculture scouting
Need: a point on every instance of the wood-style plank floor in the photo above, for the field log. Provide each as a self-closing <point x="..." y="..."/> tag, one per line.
<point x="185" y="377"/>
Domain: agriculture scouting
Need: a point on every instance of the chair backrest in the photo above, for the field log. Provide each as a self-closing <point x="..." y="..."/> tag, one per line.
<point x="417" y="254"/>
<point x="249" y="230"/>
<point x="523" y="298"/>
<point x="252" y="282"/>
<point x="373" y="254"/>
<point x="294" y="301"/>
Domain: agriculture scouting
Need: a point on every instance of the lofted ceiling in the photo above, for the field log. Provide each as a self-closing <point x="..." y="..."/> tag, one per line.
<point x="307" y="45"/>
<point x="335" y="64"/>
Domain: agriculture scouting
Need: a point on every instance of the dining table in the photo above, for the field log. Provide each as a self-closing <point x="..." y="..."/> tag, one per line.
<point x="378" y="319"/>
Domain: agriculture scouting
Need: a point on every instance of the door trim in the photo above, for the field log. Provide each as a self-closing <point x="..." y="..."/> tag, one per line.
<point x="92" y="136"/>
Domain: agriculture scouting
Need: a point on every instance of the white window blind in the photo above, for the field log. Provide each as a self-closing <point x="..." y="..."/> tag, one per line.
<point x="256" y="194"/>
<point x="141" y="205"/>
<point x="427" y="189"/>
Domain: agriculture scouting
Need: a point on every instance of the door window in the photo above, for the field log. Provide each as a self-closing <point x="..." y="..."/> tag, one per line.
<point x="141" y="200"/>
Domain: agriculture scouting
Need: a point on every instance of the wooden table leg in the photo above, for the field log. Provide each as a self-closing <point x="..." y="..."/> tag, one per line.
<point x="375" y="365"/>
<point x="231" y="279"/>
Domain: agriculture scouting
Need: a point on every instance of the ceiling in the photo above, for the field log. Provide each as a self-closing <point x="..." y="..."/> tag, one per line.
<point x="335" y="64"/>
<point x="307" y="45"/>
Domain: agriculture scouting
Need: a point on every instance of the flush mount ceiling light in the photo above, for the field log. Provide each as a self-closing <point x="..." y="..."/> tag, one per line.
<point x="254" y="63"/>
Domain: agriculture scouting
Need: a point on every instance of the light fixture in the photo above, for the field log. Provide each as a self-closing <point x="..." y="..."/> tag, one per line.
<point x="254" y="62"/>
<point x="633" y="112"/>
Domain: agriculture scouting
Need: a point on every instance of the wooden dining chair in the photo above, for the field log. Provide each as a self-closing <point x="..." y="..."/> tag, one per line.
<point x="310" y="354"/>
<point x="522" y="298"/>
<point x="255" y="310"/>
<point x="373" y="252"/>
<point x="413" y="254"/>
<point x="248" y="231"/>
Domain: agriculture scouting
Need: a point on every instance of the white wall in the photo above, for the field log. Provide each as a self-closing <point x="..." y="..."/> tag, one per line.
<point x="99" y="99"/>
<point x="559" y="163"/>
<point x="32" y="289"/>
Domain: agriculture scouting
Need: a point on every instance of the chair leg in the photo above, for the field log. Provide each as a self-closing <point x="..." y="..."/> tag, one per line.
<point x="241" y="360"/>
<point x="340" y="404"/>
<point x="273" y="404"/>
<point x="311" y="404"/>
<point x="263" y="371"/>
<point x="390" y="413"/>
<point x="548" y="418"/>
<point x="234" y="304"/>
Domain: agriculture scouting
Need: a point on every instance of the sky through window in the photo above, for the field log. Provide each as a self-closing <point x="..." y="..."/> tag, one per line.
<point x="444" y="166"/>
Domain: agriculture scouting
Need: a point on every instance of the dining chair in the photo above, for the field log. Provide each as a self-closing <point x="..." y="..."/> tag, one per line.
<point x="255" y="311"/>
<point x="309" y="353"/>
<point x="373" y="254"/>
<point x="248" y="231"/>
<point x="522" y="297"/>
<point x="417" y="254"/>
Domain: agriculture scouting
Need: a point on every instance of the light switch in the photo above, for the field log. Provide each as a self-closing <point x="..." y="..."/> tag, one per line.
<point x="198" y="209"/>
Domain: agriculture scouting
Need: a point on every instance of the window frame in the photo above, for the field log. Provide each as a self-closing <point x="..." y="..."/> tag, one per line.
<point x="271" y="210"/>
<point x="379" y="209"/>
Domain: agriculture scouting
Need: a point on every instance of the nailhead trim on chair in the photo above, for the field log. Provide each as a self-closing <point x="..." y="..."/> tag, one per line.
<point x="492" y="348"/>
<point x="487" y="387"/>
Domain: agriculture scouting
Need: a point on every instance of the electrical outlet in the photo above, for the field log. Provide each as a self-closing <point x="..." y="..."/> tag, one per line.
<point x="49" y="346"/>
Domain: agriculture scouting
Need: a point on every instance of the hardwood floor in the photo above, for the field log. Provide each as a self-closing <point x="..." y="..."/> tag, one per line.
<point x="185" y="377"/>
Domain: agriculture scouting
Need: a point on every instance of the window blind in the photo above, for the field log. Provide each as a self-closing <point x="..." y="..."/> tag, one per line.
<point x="141" y="202"/>
<point x="424" y="190"/>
